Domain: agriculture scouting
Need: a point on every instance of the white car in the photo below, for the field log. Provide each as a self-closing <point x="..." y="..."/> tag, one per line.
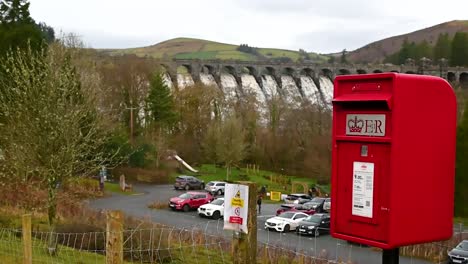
<point x="285" y="222"/>
<point x="215" y="209"/>
<point x="215" y="187"/>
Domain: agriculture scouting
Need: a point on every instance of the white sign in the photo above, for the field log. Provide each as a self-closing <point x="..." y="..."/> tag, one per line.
<point x="365" y="125"/>
<point x="236" y="201"/>
<point x="363" y="189"/>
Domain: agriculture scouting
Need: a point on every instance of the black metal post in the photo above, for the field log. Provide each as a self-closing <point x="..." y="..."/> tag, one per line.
<point x="391" y="256"/>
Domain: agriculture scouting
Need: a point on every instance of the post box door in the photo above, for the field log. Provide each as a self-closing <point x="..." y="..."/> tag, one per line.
<point x="363" y="190"/>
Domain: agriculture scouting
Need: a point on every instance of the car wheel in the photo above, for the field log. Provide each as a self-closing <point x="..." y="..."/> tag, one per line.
<point x="187" y="187"/>
<point x="316" y="232"/>
<point x="286" y="229"/>
<point x="186" y="208"/>
<point x="220" y="192"/>
<point x="216" y="215"/>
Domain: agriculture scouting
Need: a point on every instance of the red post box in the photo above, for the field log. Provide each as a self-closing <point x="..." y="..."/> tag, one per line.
<point x="393" y="162"/>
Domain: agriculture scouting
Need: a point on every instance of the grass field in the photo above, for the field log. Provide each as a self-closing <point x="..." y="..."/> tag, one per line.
<point x="115" y="188"/>
<point x="209" y="172"/>
<point x="11" y="252"/>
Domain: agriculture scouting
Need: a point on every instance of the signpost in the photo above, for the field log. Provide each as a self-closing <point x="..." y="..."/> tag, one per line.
<point x="236" y="198"/>
<point x="240" y="215"/>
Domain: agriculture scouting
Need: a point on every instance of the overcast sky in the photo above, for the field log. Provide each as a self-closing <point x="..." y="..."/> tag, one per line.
<point x="314" y="25"/>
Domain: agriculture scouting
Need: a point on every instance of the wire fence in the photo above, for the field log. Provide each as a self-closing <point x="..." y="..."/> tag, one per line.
<point x="200" y="244"/>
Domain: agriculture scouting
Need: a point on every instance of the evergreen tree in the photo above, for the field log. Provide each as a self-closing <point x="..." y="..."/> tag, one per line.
<point x="17" y="28"/>
<point x="461" y="178"/>
<point x="406" y="51"/>
<point x="48" y="32"/>
<point x="459" y="55"/>
<point x="160" y="103"/>
<point x="422" y="49"/>
<point x="15" y="12"/>
<point x="442" y="48"/>
<point x="343" y="58"/>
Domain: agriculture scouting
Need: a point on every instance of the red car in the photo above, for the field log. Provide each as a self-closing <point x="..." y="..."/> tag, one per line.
<point x="190" y="200"/>
<point x="305" y="208"/>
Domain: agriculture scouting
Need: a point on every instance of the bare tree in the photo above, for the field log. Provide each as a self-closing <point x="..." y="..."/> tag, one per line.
<point x="231" y="148"/>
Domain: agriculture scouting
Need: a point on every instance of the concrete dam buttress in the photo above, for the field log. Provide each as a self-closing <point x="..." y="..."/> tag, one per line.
<point x="294" y="82"/>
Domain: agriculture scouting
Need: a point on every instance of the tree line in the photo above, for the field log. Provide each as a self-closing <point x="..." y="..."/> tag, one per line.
<point x="196" y="122"/>
<point x="454" y="50"/>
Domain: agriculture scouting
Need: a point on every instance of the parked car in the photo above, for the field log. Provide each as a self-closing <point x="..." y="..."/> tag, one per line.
<point x="285" y="222"/>
<point x="215" y="209"/>
<point x="190" y="200"/>
<point x="315" y="225"/>
<point x="317" y="204"/>
<point x="304" y="208"/>
<point x="215" y="187"/>
<point x="297" y="197"/>
<point x="188" y="182"/>
<point x="327" y="205"/>
<point x="459" y="254"/>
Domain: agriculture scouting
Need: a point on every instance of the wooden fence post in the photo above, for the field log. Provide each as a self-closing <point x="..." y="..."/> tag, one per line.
<point x="27" y="242"/>
<point x="244" y="246"/>
<point x="114" y="237"/>
<point x="266" y="257"/>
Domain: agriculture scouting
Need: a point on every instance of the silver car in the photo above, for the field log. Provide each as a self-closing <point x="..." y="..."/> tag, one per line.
<point x="215" y="187"/>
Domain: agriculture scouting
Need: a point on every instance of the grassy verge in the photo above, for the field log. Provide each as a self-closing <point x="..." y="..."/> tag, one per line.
<point x="115" y="188"/>
<point x="11" y="251"/>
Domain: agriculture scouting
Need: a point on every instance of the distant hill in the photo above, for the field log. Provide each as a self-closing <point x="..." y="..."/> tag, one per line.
<point x="377" y="51"/>
<point x="189" y="48"/>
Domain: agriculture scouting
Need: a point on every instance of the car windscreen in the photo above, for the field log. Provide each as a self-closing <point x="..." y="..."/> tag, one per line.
<point x="463" y="246"/>
<point x="185" y="196"/>
<point x="210" y="184"/>
<point x="218" y="202"/>
<point x="286" y="215"/>
<point x="180" y="179"/>
<point x="318" y="199"/>
<point x="313" y="219"/>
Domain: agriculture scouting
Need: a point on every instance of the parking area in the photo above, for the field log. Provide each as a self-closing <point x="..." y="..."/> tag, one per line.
<point x="136" y="205"/>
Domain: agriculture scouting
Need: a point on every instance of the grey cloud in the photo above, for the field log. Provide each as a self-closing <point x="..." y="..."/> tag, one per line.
<point x="362" y="9"/>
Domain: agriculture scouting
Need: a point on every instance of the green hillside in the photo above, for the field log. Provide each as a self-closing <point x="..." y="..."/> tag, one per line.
<point x="188" y="48"/>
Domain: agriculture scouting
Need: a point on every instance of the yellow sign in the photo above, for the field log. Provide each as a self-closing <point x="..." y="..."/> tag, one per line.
<point x="237" y="201"/>
<point x="275" y="196"/>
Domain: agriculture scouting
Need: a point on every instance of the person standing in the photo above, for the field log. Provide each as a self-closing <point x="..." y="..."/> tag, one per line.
<point x="259" y="203"/>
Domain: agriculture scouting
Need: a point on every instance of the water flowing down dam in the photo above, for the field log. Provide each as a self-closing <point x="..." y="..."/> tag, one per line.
<point x="208" y="79"/>
<point x="184" y="80"/>
<point x="229" y="86"/>
<point x="326" y="87"/>
<point x="310" y="90"/>
<point x="292" y="94"/>
<point x="251" y="87"/>
<point x="270" y="87"/>
<point x="167" y="80"/>
<point x="267" y="89"/>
